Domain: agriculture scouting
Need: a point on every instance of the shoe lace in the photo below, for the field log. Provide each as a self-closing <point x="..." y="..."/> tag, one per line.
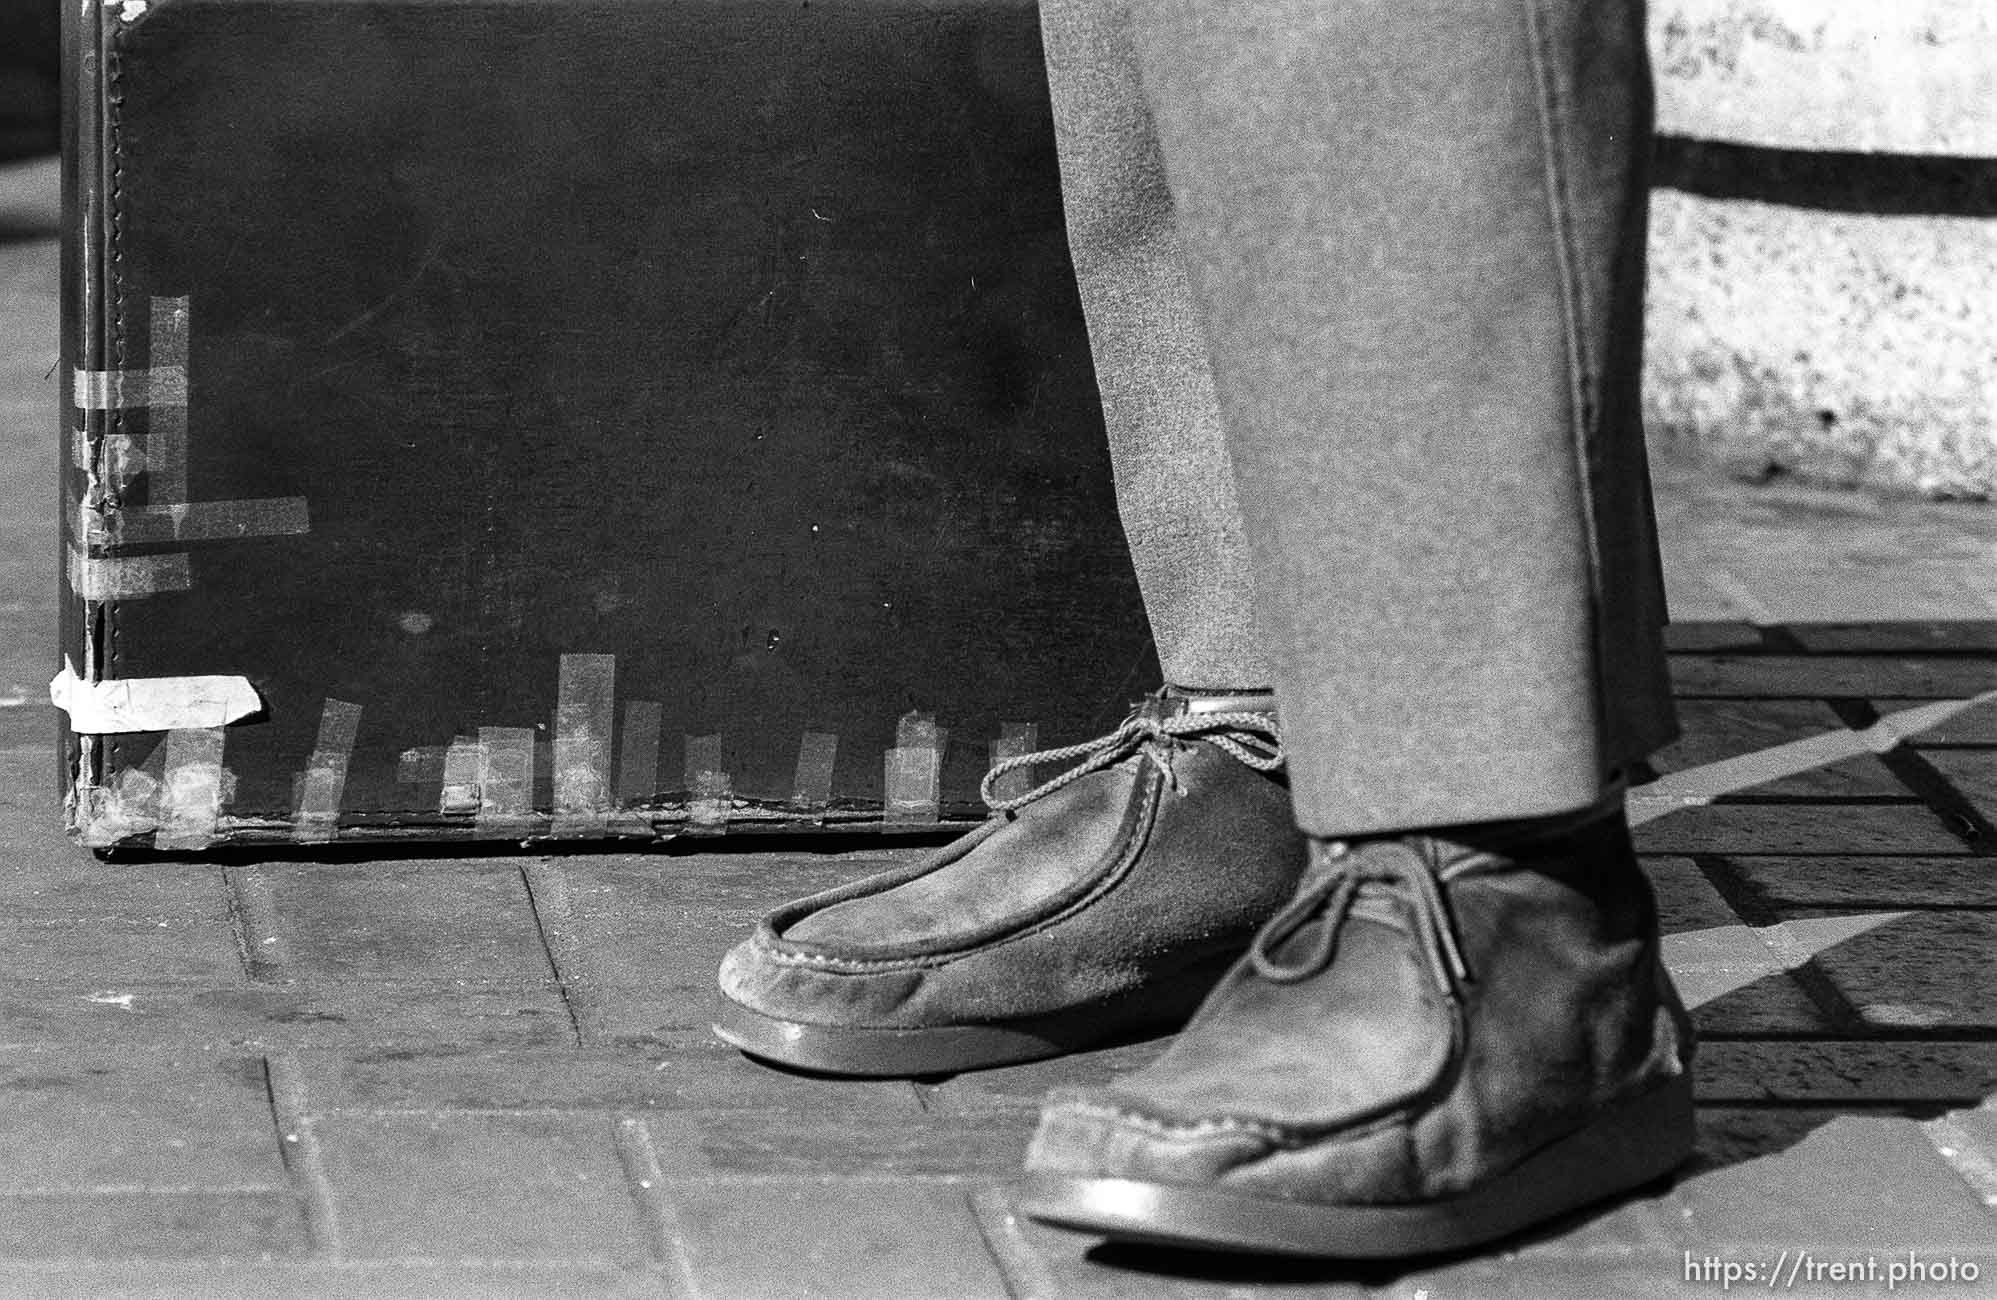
<point x="1252" y="738"/>
<point x="1328" y="897"/>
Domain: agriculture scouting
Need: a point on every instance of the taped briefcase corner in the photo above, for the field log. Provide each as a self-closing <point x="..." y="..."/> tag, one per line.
<point x="129" y="441"/>
<point x="179" y="796"/>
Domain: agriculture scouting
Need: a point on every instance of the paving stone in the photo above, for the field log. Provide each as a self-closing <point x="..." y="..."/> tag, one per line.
<point x="611" y="889"/>
<point x="1716" y="730"/>
<point x="110" y="953"/>
<point x="149" y="1225"/>
<point x="1977" y="726"/>
<point x="832" y="1241"/>
<point x="1853" y="1183"/>
<point x="1973" y="772"/>
<point x="1734" y="983"/>
<point x="428" y="921"/>
<point x="1712" y="637"/>
<point x="1870" y="882"/>
<point x="30" y="809"/>
<point x="809" y="1142"/>
<point x="486" y="1187"/>
<point x="701" y="1073"/>
<point x="1686" y="900"/>
<point x="1822" y="676"/>
<point x="1731" y="1134"/>
<point x="1970" y="634"/>
<point x="1022" y="1087"/>
<point x="79" y="888"/>
<point x="1798" y="828"/>
<point x="58" y="1011"/>
<point x="86" y="1118"/>
<point x="639" y="938"/>
<point x="1909" y="970"/>
<point x="1820" y="1072"/>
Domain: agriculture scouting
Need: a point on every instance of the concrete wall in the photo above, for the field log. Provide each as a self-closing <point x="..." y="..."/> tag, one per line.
<point x="1824" y="253"/>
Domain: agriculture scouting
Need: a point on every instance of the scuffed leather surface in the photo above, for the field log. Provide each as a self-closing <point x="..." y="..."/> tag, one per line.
<point x="1015" y="927"/>
<point x="1365" y="1084"/>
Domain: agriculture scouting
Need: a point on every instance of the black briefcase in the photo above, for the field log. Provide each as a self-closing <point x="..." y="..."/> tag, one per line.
<point x="571" y="418"/>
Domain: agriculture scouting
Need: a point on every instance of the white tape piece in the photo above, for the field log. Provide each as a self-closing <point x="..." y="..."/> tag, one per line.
<point x="638" y="759"/>
<point x="710" y="792"/>
<point x="166" y="420"/>
<point x="912" y="771"/>
<point x="909" y="777"/>
<point x="585" y="712"/>
<point x="458" y="782"/>
<point x="324" y="781"/>
<point x="817" y="753"/>
<point x="134" y="704"/>
<point x="126" y="390"/>
<point x="1015" y="740"/>
<point x="421" y="765"/>
<point x="505" y="781"/>
<point x="191" y="795"/>
<point x="198" y="521"/>
<point x="128" y="577"/>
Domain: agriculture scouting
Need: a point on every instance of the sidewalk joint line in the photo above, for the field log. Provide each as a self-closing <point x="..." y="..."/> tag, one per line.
<point x="547" y="897"/>
<point x="1927" y="781"/>
<point x="1743" y="900"/>
<point x="253" y="920"/>
<point x="1973" y="1159"/>
<point x="1021" y="1267"/>
<point x="298" y="1143"/>
<point x="645" y="1181"/>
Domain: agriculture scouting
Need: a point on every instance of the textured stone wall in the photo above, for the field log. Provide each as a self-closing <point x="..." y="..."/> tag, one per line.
<point x="1824" y="248"/>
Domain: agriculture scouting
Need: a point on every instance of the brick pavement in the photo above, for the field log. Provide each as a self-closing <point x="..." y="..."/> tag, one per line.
<point x="490" y="1075"/>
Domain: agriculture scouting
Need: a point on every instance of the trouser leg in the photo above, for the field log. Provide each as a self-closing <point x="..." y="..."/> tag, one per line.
<point x="1414" y="233"/>
<point x="1175" y="490"/>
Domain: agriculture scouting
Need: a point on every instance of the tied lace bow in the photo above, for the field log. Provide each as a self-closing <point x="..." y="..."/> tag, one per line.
<point x="1252" y="738"/>
<point x="1329" y="898"/>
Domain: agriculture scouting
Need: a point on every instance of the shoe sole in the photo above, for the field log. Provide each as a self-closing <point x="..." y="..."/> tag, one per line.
<point x="947" y="1049"/>
<point x="1637" y="1143"/>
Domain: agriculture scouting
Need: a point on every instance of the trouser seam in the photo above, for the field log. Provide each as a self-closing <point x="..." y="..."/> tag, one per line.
<point x="1582" y="415"/>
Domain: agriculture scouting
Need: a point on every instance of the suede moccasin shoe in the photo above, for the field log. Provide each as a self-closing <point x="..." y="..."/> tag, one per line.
<point x="1443" y="1039"/>
<point x="1100" y="907"/>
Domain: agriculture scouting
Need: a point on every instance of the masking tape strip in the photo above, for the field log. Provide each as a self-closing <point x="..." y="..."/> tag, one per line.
<point x="128" y="806"/>
<point x="191" y="794"/>
<point x="816" y="754"/>
<point x="123" y="460"/>
<point x="463" y="763"/>
<point x="709" y="792"/>
<point x="199" y="521"/>
<point x="422" y="765"/>
<point x="125" y="390"/>
<point x="133" y="704"/>
<point x="127" y="577"/>
<point x="166" y="422"/>
<point x="638" y="760"/>
<point x="1014" y="739"/>
<point x="913" y="769"/>
<point x="585" y="716"/>
<point x="909" y="777"/>
<point x="505" y="780"/>
<point x="1701" y="785"/>
<point x="324" y="782"/>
